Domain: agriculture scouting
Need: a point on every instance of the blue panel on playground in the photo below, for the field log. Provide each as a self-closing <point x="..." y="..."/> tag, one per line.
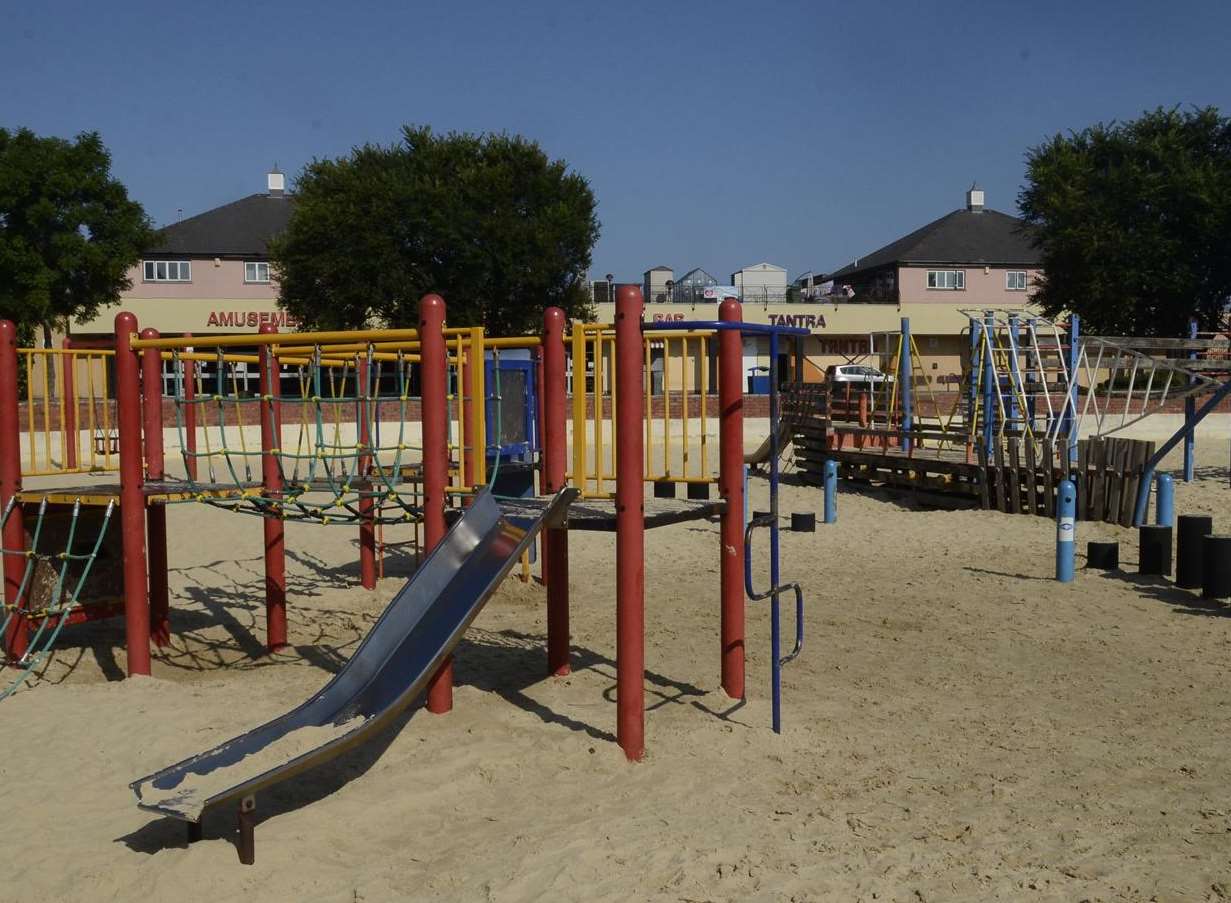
<point x="512" y="405"/>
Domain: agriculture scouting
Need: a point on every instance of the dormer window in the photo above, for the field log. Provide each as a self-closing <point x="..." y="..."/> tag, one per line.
<point x="256" y="272"/>
<point x="166" y="271"/>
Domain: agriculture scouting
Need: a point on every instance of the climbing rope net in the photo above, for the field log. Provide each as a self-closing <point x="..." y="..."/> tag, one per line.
<point x="51" y="584"/>
<point x="345" y="457"/>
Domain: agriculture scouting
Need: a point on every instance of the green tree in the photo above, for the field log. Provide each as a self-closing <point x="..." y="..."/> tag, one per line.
<point x="68" y="230"/>
<point x="1134" y="222"/>
<point x="488" y="221"/>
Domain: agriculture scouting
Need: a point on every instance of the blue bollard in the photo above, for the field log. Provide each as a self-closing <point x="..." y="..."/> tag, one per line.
<point x="1164" y="488"/>
<point x="1066" y="530"/>
<point x="831" y="491"/>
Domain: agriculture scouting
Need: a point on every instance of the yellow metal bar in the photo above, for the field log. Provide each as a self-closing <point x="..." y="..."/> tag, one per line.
<point x="91" y="428"/>
<point x="614" y="402"/>
<point x="579" y="406"/>
<point x="703" y="388"/>
<point x="600" y="374"/>
<point x="106" y="421"/>
<point x="30" y="414"/>
<point x="649" y="407"/>
<point x="478" y="378"/>
<point x="46" y="413"/>
<point x="75" y="352"/>
<point x="462" y="388"/>
<point x="666" y="407"/>
<point x="684" y="406"/>
<point x="63" y="423"/>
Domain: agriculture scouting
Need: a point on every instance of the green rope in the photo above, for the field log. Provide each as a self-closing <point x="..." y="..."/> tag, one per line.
<point x="44" y="640"/>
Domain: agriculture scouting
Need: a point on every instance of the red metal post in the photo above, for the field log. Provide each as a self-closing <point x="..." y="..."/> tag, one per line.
<point x="367" y="506"/>
<point x="16" y="639"/>
<point x="271" y="479"/>
<point x="730" y="477"/>
<point x="731" y="488"/>
<point x="190" y="416"/>
<point x="433" y="361"/>
<point x="155" y="466"/>
<point x="68" y="391"/>
<point x="132" y="496"/>
<point x="555" y="454"/>
<point x="630" y="523"/>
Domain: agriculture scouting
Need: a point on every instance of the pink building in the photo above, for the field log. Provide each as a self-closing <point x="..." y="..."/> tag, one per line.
<point x="209" y="273"/>
<point x="972" y="257"/>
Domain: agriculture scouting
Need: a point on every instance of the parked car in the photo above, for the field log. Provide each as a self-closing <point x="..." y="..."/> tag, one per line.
<point x="854" y="373"/>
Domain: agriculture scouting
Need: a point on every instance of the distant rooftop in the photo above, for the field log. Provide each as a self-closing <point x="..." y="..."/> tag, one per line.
<point x="239" y="229"/>
<point x="971" y="236"/>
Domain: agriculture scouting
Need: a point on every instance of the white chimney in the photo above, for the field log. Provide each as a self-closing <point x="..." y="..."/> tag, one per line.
<point x="276" y="182"/>
<point x="974" y="197"/>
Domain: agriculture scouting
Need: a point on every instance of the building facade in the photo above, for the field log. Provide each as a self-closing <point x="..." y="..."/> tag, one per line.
<point x="762" y="282"/>
<point x="656" y="284"/>
<point x="209" y="273"/>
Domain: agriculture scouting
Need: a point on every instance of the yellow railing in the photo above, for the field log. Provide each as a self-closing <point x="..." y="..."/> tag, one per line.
<point x="68" y="424"/>
<point x="678" y="370"/>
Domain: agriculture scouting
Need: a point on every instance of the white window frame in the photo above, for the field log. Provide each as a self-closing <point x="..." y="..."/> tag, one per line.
<point x="937" y="279"/>
<point x="256" y="265"/>
<point x="1015" y="276"/>
<point x="150" y="270"/>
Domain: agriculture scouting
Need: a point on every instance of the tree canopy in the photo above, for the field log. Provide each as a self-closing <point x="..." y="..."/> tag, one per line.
<point x="1134" y="222"/>
<point x="488" y="221"/>
<point x="68" y="230"/>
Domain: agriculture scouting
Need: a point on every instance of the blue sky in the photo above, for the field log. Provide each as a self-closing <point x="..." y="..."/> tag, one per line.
<point x="714" y="134"/>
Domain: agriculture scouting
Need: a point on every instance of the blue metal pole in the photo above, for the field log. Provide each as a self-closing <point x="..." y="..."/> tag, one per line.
<point x="989" y="379"/>
<point x="1033" y="366"/>
<point x="904" y="379"/>
<point x="1066" y="531"/>
<point x="1074" y="358"/>
<point x="1164" y="505"/>
<point x="774" y="575"/>
<point x="747" y="502"/>
<point x="1190" y="410"/>
<point x="831" y="491"/>
<point x="972" y="396"/>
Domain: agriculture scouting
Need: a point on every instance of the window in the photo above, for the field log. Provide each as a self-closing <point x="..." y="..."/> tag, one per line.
<point x="1015" y="281"/>
<point x="951" y="280"/>
<point x="167" y="271"/>
<point x="256" y="272"/>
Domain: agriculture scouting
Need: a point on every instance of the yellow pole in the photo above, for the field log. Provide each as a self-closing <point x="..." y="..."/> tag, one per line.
<point x="705" y="384"/>
<point x="684" y="406"/>
<point x="478" y="378"/>
<point x="579" y="406"/>
<point x="649" y="409"/>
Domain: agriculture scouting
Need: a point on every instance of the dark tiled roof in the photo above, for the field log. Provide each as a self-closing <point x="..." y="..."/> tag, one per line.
<point x="979" y="237"/>
<point x="239" y="229"/>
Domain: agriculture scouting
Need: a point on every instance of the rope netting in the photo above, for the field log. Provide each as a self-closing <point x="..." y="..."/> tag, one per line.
<point x="50" y="587"/>
<point x="345" y="459"/>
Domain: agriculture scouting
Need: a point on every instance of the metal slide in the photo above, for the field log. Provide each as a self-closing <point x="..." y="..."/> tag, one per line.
<point x="391" y="667"/>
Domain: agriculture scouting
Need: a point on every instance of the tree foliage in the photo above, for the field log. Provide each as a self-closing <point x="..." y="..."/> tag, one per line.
<point x="488" y="221"/>
<point x="1134" y="222"/>
<point x="68" y="230"/>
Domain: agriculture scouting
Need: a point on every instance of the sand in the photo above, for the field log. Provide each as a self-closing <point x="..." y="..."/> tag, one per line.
<point x="959" y="727"/>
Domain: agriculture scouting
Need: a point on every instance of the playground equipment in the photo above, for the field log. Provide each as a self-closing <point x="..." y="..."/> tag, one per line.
<point x="417" y="631"/>
<point x="66" y="391"/>
<point x="246" y="453"/>
<point x="48" y="592"/>
<point x="1012" y="431"/>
